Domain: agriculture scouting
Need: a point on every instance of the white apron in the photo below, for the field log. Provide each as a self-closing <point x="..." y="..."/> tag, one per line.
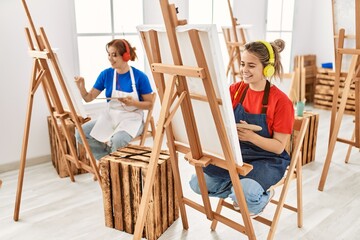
<point x="117" y="116"/>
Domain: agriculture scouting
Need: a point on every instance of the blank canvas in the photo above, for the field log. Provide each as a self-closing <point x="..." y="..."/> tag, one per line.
<point x="209" y="139"/>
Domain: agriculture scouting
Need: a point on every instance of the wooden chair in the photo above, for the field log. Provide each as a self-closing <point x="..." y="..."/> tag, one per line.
<point x="293" y="172"/>
<point x="149" y="121"/>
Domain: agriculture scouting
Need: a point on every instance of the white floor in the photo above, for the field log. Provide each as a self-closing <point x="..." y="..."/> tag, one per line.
<point x="55" y="208"/>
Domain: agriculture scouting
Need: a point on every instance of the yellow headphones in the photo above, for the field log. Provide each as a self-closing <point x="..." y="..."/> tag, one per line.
<point x="269" y="69"/>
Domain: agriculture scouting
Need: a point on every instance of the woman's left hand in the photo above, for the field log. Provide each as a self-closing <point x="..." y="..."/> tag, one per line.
<point x="128" y="100"/>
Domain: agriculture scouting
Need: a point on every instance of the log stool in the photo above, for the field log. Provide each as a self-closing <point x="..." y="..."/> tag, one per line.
<point x="123" y="173"/>
<point x="57" y="157"/>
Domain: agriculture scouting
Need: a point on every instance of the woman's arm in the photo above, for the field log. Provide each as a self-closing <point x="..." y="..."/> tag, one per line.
<point x="276" y="144"/>
<point x="87" y="96"/>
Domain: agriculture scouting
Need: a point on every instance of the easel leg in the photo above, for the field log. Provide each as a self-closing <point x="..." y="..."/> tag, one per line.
<point x="218" y="210"/>
<point x="349" y="148"/>
<point x="338" y="120"/>
<point x="204" y="192"/>
<point x="150" y="176"/>
<point x="68" y="168"/>
<point x="23" y="156"/>
<point x="178" y="187"/>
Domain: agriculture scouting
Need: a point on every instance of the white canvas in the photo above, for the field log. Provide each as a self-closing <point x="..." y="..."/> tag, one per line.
<point x="71" y="88"/>
<point x="206" y="126"/>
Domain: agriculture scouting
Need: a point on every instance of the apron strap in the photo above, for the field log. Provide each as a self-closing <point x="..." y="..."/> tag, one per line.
<point x="265" y="99"/>
<point x="244" y="94"/>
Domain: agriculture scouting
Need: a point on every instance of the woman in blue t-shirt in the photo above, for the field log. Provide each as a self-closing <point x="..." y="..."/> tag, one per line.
<point x="128" y="92"/>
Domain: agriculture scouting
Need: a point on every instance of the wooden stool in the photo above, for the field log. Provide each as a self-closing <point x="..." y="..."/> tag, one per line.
<point x="57" y="157"/>
<point x="123" y="175"/>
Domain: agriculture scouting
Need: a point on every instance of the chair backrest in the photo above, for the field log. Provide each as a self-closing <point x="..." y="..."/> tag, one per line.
<point x="149" y="122"/>
<point x="294" y="146"/>
<point x="297" y="137"/>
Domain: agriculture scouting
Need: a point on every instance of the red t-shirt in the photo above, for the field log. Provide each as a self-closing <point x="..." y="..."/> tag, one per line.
<point x="280" y="112"/>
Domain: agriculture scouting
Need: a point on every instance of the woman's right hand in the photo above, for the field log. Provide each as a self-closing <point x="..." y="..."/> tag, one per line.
<point x="80" y="82"/>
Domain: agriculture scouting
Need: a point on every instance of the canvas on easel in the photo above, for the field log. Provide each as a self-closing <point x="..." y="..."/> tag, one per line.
<point x="187" y="69"/>
<point x="341" y="50"/>
<point x="210" y="142"/>
<point x="47" y="73"/>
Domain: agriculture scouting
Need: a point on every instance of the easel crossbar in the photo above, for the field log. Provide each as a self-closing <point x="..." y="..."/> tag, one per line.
<point x="39" y="54"/>
<point x="185" y="71"/>
<point x="216" y="216"/>
<point x="343" y="140"/>
<point x="349" y="51"/>
<point x="242" y="170"/>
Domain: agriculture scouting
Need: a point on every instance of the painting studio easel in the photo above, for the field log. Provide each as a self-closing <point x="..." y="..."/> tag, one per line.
<point x="175" y="82"/>
<point x="353" y="75"/>
<point x="42" y="55"/>
<point x="233" y="45"/>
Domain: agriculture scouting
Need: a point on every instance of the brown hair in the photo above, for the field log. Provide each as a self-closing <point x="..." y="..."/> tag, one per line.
<point x="259" y="50"/>
<point x="121" y="48"/>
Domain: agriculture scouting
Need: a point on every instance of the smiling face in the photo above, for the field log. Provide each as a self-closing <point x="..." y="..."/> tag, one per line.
<point x="115" y="58"/>
<point x="252" y="71"/>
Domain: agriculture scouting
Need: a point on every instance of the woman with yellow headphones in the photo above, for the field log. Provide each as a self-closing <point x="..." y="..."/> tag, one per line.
<point x="257" y="102"/>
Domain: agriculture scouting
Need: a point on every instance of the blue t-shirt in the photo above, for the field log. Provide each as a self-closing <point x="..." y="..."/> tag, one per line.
<point x="105" y="81"/>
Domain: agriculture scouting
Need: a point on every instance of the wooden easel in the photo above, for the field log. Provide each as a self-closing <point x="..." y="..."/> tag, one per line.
<point x="233" y="45"/>
<point x="176" y="88"/>
<point x="43" y="54"/>
<point x="352" y="75"/>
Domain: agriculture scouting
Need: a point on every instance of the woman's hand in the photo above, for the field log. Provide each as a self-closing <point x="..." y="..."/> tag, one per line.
<point x="246" y="134"/>
<point x="276" y="144"/>
<point x="87" y="96"/>
<point x="128" y="100"/>
<point x="80" y="82"/>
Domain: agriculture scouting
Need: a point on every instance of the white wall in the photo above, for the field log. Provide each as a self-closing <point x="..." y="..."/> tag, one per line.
<point x="155" y="16"/>
<point x="313" y="28"/>
<point x="322" y="32"/>
<point x="254" y="13"/>
<point x="16" y="66"/>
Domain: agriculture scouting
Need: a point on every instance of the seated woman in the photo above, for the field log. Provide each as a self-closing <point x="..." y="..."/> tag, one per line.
<point x="256" y="101"/>
<point x="128" y="92"/>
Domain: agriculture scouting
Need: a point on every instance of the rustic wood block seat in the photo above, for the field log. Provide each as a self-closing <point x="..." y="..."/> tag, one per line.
<point x="57" y="157"/>
<point x="123" y="175"/>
